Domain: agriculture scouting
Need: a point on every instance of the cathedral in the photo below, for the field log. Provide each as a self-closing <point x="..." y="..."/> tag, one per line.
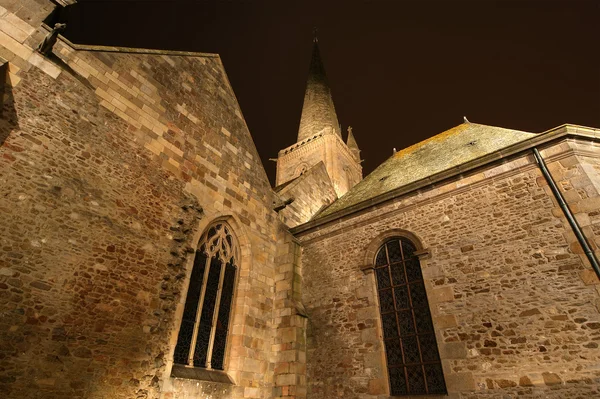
<point x="145" y="255"/>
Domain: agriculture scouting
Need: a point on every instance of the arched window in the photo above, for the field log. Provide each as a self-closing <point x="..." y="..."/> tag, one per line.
<point x="413" y="361"/>
<point x="203" y="333"/>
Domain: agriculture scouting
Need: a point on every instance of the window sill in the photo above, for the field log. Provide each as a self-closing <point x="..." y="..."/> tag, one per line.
<point x="198" y="373"/>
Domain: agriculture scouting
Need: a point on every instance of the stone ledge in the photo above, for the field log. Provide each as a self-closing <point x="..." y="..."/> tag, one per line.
<point x="129" y="50"/>
<point x="198" y="373"/>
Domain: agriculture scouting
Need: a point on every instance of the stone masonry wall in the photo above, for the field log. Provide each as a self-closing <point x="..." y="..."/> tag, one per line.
<point x="311" y="192"/>
<point x="112" y="163"/>
<point x="514" y="302"/>
<point x="293" y="160"/>
<point x="289" y="317"/>
<point x="342" y="168"/>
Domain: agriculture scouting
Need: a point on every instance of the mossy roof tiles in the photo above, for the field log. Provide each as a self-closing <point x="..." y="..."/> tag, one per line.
<point x="447" y="150"/>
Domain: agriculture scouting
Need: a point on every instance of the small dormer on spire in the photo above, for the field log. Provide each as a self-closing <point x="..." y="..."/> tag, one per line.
<point x="352" y="145"/>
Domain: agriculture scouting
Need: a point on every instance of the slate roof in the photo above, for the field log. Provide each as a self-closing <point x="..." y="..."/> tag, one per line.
<point x="318" y="111"/>
<point x="454" y="147"/>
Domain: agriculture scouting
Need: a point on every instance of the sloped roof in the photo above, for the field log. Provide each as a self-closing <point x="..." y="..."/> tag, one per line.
<point x="454" y="147"/>
<point x="318" y="111"/>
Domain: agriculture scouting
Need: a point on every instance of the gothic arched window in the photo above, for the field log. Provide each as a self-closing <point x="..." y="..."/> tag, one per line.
<point x="203" y="333"/>
<point x="413" y="361"/>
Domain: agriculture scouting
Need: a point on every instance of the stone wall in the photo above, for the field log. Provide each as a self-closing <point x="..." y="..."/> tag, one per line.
<point x="112" y="164"/>
<point x="342" y="168"/>
<point x="311" y="192"/>
<point x="289" y="317"/>
<point x="513" y="299"/>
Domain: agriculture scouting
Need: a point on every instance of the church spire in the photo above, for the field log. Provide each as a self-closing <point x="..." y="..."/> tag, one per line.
<point x="352" y="145"/>
<point x="318" y="112"/>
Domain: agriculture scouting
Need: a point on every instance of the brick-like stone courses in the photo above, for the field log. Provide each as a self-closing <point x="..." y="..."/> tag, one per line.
<point x="104" y="175"/>
<point x="513" y="301"/>
<point x="343" y="169"/>
<point x="292" y="160"/>
<point x="289" y="348"/>
<point x="19" y="37"/>
<point x="311" y="192"/>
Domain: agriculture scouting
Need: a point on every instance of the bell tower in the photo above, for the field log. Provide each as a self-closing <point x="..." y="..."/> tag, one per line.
<point x="320" y="136"/>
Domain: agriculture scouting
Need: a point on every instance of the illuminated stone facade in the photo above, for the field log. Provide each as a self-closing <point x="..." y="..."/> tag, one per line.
<point x="514" y="302"/>
<point x="320" y="138"/>
<point x="113" y="163"/>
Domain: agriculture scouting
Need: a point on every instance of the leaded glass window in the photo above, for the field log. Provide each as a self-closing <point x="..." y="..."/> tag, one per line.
<point x="413" y="361"/>
<point x="203" y="334"/>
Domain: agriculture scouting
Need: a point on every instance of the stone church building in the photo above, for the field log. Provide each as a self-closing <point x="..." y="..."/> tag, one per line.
<point x="145" y="255"/>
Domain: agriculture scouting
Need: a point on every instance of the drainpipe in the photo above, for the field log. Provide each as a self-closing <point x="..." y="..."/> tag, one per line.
<point x="568" y="214"/>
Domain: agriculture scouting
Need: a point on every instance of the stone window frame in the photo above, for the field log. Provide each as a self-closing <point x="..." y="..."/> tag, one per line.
<point x="227" y="375"/>
<point x="301" y="169"/>
<point x="369" y="260"/>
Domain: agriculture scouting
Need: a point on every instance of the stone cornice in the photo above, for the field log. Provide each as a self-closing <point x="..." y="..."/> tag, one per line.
<point x="130" y="50"/>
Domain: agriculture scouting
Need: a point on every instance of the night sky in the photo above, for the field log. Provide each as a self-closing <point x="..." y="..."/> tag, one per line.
<point x="400" y="71"/>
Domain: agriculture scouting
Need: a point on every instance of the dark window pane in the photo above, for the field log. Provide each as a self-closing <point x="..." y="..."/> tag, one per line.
<point x="386" y="301"/>
<point x="393" y="352"/>
<point x="408" y="248"/>
<point x="218" y="353"/>
<point x="397" y="381"/>
<point x="381" y="259"/>
<point x="389" y="325"/>
<point x="406" y="322"/>
<point x="413" y="269"/>
<point x="186" y="331"/>
<point x="423" y="319"/>
<point x="435" y="378"/>
<point x="418" y="295"/>
<point x="208" y="308"/>
<point x="398" y="274"/>
<point x="383" y="278"/>
<point x="184" y="341"/>
<point x="401" y="294"/>
<point x="411" y="350"/>
<point x="212" y="232"/>
<point x="416" y="382"/>
<point x="408" y="331"/>
<point x="429" y="348"/>
<point x="394" y="253"/>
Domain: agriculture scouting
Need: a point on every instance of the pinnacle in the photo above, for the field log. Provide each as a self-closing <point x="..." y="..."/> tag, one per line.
<point x="352" y="145"/>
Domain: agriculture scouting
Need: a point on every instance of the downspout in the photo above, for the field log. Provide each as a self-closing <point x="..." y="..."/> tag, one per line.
<point x="568" y="214"/>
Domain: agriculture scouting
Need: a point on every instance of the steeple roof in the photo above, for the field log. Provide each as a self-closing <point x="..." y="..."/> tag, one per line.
<point x="318" y="112"/>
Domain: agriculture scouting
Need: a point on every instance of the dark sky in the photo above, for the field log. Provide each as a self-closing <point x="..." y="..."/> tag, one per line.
<point x="400" y="71"/>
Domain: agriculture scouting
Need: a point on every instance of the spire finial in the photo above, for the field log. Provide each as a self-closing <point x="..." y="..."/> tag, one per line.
<point x="349" y="130"/>
<point x="315" y="32"/>
<point x="466" y="120"/>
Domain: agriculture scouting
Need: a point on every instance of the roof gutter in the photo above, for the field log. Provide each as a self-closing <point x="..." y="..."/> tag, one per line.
<point x="558" y="132"/>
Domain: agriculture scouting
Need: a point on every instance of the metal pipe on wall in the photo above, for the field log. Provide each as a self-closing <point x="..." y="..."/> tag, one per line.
<point x="568" y="214"/>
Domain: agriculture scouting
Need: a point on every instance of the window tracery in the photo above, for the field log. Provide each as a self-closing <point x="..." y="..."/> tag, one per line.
<point x="204" y="327"/>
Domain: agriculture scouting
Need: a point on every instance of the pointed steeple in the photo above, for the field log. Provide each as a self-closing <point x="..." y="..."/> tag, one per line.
<point x="318" y="112"/>
<point x="352" y="145"/>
